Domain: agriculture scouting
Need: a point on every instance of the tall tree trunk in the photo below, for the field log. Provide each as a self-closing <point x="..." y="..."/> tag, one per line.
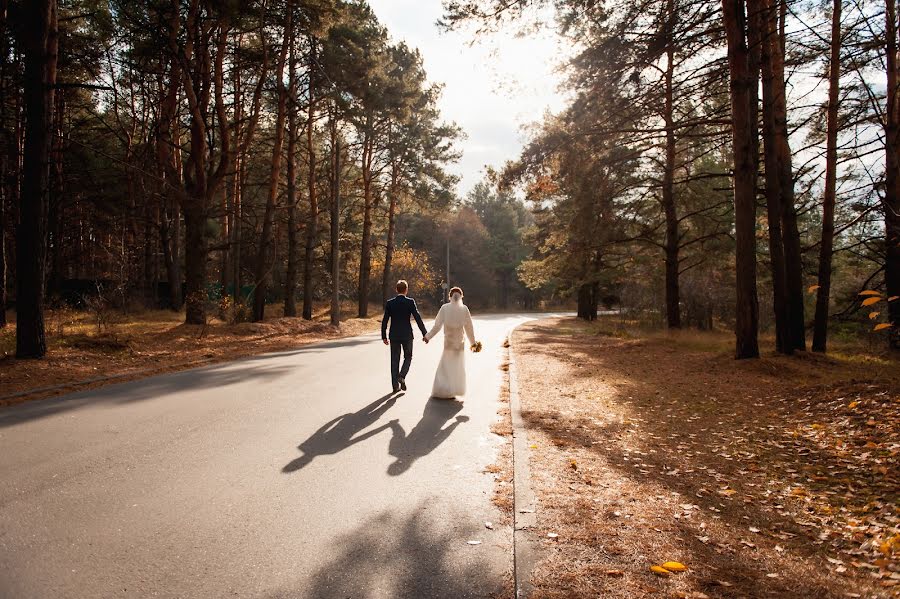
<point x="793" y="253"/>
<point x="365" y="255"/>
<point x="290" y="278"/>
<point x="195" y="258"/>
<point x="892" y="177"/>
<point x="335" y="225"/>
<point x="168" y="161"/>
<point x="741" y="81"/>
<point x="391" y="232"/>
<point x="312" y="224"/>
<point x="31" y="235"/>
<point x="826" y="247"/>
<point x="237" y="187"/>
<point x="759" y="36"/>
<point x="5" y="152"/>
<point x="673" y="299"/>
<point x="263" y="273"/>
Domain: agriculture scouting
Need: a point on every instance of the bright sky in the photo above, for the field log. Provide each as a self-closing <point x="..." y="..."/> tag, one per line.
<point x="491" y="88"/>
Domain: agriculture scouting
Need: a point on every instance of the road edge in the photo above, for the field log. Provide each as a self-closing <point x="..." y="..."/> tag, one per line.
<point x="525" y="544"/>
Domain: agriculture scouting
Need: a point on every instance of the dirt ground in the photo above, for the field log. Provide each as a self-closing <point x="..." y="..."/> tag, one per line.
<point x="775" y="477"/>
<point x="146" y="343"/>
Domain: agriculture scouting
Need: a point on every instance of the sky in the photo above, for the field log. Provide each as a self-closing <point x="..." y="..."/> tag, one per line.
<point x="492" y="88"/>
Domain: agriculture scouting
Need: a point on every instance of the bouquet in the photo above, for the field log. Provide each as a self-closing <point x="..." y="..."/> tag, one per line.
<point x="476" y="347"/>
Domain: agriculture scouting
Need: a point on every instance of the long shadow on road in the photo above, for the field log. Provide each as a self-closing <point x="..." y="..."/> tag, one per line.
<point x="342" y="432"/>
<point x="425" y="436"/>
<point x="346" y="430"/>
<point x="400" y="557"/>
<point x="196" y="380"/>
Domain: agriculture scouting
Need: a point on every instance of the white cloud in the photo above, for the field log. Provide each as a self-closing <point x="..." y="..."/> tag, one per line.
<point x="491" y="88"/>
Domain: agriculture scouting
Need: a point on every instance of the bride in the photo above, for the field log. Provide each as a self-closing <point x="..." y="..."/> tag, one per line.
<point x="454" y="317"/>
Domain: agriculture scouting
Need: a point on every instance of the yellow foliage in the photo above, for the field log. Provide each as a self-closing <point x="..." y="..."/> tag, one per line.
<point x="870" y="292"/>
<point x="882" y="326"/>
<point x="873" y="315"/>
<point x="871" y="300"/>
<point x="660" y="571"/>
<point x="812" y="288"/>
<point x="674" y="566"/>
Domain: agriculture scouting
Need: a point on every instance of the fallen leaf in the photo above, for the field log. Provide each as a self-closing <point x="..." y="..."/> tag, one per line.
<point x="614" y="573"/>
<point x="772" y="575"/>
<point x="871" y="300"/>
<point x="674" y="566"/>
<point x="474" y="542"/>
<point x="660" y="571"/>
<point x="552" y="535"/>
<point x="489" y="525"/>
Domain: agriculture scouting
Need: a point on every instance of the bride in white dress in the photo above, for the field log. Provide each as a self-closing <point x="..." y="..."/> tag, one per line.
<point x="455" y="319"/>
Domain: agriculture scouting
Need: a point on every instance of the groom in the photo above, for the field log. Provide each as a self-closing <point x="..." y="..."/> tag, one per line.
<point x="399" y="310"/>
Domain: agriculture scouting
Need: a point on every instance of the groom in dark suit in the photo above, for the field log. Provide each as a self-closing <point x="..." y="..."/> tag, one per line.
<point x="400" y="310"/>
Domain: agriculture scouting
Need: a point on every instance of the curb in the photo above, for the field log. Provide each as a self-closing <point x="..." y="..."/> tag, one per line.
<point x="525" y="545"/>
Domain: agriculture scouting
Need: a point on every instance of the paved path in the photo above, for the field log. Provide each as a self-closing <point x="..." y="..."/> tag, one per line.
<point x="286" y="475"/>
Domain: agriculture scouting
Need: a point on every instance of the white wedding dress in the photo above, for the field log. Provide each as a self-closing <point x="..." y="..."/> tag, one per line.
<point x="455" y="319"/>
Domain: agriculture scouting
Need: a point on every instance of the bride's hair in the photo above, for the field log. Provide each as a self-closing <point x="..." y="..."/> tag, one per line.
<point x="456" y="290"/>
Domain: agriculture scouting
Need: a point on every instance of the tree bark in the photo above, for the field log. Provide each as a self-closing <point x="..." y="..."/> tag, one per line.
<point x="31" y="235"/>
<point x="793" y="253"/>
<point x="746" y="306"/>
<point x="4" y="161"/>
<point x="892" y="177"/>
<point x="673" y="299"/>
<point x="312" y="224"/>
<point x="759" y="36"/>
<point x="265" y="240"/>
<point x="335" y="225"/>
<point x="826" y="247"/>
<point x="290" y="278"/>
<point x="365" y="256"/>
<point x="391" y="233"/>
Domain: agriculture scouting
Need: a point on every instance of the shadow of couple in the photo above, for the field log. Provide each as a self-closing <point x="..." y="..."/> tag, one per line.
<point x="347" y="430"/>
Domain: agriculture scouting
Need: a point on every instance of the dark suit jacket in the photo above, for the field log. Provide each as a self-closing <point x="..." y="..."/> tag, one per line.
<point x="399" y="310"/>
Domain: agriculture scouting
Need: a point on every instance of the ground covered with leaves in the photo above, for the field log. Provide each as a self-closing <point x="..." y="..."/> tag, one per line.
<point x="775" y="477"/>
<point x="84" y="353"/>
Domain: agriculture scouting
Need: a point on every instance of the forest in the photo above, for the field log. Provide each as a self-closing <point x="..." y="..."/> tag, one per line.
<point x="719" y="162"/>
<point x="728" y="165"/>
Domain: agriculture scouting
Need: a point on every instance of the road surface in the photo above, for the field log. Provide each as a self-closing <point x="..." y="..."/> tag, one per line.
<point x="294" y="474"/>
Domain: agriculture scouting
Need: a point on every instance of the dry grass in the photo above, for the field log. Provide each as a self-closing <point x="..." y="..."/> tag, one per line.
<point x="502" y="468"/>
<point x="140" y="344"/>
<point x="769" y="478"/>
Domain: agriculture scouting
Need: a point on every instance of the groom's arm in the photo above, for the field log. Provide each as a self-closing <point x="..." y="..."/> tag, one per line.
<point x="419" y="322"/>
<point x="384" y="322"/>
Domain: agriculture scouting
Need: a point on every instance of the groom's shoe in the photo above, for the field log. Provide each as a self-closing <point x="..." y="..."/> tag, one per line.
<point x="396" y="389"/>
<point x="402" y="384"/>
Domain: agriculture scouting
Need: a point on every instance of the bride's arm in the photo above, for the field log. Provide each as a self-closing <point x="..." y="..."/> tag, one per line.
<point x="470" y="328"/>
<point x="438" y="323"/>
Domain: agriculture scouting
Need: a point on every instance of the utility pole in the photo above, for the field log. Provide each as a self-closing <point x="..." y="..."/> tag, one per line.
<point x="447" y="286"/>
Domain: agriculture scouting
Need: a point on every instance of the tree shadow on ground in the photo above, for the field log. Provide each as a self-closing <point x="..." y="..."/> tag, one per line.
<point x="400" y="557"/>
<point x="344" y="431"/>
<point x="425" y="436"/>
<point x="196" y="380"/>
<point x="723" y="447"/>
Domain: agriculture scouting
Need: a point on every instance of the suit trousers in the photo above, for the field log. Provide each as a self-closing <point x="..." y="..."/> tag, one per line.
<point x="398" y="371"/>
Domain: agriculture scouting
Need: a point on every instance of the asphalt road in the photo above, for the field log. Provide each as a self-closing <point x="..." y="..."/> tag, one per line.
<point x="287" y="475"/>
